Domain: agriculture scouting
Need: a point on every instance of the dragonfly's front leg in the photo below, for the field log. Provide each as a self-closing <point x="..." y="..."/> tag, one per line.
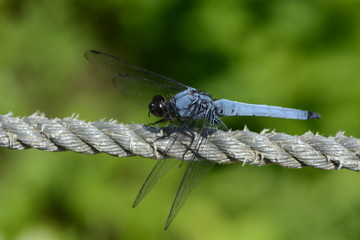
<point x="160" y="121"/>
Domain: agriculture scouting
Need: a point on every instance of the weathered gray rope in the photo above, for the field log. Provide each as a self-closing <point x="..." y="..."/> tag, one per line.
<point x="72" y="134"/>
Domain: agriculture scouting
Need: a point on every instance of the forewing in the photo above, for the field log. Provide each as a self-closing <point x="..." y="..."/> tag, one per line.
<point x="142" y="89"/>
<point x="133" y="81"/>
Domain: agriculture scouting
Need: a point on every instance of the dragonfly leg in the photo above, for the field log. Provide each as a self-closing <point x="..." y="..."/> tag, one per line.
<point x="160" y="121"/>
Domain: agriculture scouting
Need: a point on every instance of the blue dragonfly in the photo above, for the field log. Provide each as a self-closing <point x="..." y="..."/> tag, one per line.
<point x="191" y="109"/>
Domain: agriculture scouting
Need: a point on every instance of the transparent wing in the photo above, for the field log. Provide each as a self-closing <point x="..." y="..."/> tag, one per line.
<point x="133" y="81"/>
<point x="196" y="169"/>
<point x="161" y="168"/>
<point x="194" y="173"/>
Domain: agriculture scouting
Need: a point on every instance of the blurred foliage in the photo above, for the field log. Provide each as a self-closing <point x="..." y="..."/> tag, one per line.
<point x="300" y="54"/>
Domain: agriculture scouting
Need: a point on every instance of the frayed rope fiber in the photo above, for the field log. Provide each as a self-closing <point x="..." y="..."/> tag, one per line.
<point x="72" y="134"/>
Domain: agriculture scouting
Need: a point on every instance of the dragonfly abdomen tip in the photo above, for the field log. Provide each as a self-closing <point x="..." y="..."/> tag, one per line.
<point x="313" y="115"/>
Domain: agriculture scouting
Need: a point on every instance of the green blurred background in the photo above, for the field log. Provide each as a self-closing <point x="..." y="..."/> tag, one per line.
<point x="301" y="54"/>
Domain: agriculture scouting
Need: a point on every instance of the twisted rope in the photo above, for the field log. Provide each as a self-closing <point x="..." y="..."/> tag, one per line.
<point x="72" y="134"/>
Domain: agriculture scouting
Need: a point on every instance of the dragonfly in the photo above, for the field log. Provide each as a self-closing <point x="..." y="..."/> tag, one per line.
<point x="193" y="110"/>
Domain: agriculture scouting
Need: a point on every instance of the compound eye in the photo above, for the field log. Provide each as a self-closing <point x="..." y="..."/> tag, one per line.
<point x="157" y="106"/>
<point x="160" y="110"/>
<point x="158" y="98"/>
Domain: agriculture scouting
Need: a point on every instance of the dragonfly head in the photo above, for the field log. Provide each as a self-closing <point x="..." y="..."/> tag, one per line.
<point x="158" y="106"/>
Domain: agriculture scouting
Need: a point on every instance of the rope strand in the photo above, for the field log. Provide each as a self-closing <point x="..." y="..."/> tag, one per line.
<point x="72" y="134"/>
